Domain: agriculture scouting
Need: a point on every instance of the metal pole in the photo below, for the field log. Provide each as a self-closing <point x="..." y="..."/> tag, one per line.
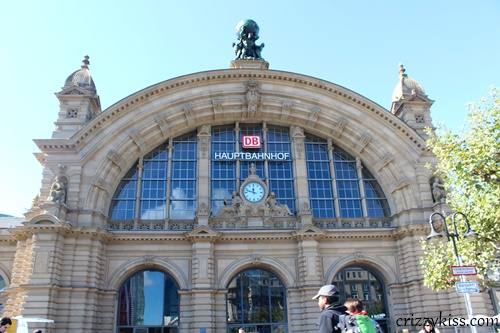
<point x="468" y="304"/>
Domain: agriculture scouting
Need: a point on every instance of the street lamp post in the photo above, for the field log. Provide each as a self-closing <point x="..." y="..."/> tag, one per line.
<point x="454" y="236"/>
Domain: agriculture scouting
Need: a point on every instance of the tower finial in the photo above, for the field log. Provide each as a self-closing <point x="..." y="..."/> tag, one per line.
<point x="86" y="62"/>
<point x="402" y="70"/>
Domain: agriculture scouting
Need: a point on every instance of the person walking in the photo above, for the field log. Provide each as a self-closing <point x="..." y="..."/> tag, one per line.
<point x="331" y="310"/>
<point x="357" y="319"/>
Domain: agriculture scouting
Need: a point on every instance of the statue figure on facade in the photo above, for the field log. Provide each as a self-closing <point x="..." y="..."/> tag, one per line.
<point x="232" y="208"/>
<point x="275" y="208"/>
<point x="58" y="190"/>
<point x="252" y="170"/>
<point x="247" y="32"/>
<point x="438" y="190"/>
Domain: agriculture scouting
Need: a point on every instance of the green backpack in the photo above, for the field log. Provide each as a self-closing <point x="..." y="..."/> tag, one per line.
<point x="359" y="324"/>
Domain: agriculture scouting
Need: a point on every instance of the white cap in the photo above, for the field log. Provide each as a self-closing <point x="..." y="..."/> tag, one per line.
<point x="326" y="290"/>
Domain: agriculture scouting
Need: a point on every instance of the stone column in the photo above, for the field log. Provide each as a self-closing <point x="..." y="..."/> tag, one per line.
<point x="300" y="172"/>
<point x="203" y="210"/>
<point x="202" y="303"/>
<point x="303" y="311"/>
<point x="36" y="271"/>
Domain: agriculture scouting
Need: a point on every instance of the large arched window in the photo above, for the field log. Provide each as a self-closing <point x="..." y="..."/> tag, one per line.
<point x="166" y="181"/>
<point x="330" y="168"/>
<point x="148" y="302"/>
<point x="2" y="287"/>
<point x="361" y="283"/>
<point x="256" y="301"/>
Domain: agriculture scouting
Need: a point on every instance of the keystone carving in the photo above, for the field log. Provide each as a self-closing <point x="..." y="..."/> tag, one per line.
<point x="252" y="97"/>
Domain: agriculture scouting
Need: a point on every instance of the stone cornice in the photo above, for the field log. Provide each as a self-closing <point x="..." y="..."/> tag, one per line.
<point x="24" y="232"/>
<point x="411" y="230"/>
<point x="145" y="95"/>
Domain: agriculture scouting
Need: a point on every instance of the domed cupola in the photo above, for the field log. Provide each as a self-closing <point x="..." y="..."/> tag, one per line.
<point x="406" y="87"/>
<point x="79" y="102"/>
<point x="411" y="104"/>
<point x="81" y="78"/>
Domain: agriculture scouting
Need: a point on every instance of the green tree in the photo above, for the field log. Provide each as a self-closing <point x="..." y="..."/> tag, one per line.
<point x="469" y="164"/>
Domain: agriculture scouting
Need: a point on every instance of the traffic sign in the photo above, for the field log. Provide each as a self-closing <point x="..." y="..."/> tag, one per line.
<point x="467" y="287"/>
<point x="463" y="270"/>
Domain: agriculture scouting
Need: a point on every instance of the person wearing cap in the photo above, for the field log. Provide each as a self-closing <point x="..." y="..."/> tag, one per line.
<point x="331" y="310"/>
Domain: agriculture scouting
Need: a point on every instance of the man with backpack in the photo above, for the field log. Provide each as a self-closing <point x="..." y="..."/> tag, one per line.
<point x="331" y="310"/>
<point x="357" y="320"/>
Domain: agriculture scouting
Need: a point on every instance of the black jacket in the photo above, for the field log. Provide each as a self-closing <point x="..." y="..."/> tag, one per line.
<point x="329" y="318"/>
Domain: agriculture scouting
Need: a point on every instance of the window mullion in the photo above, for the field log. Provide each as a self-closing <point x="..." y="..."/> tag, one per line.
<point x="169" y="180"/>
<point x="140" y="168"/>
<point x="334" y="179"/>
<point x="237" y="143"/>
<point x="361" y="187"/>
<point x="266" y="163"/>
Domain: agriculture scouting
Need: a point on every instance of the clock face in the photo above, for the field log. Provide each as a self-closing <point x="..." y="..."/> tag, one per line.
<point x="253" y="192"/>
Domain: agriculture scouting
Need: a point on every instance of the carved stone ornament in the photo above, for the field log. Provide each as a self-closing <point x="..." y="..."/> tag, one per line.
<point x="203" y="210"/>
<point x="240" y="208"/>
<point x="217" y="106"/>
<point x="188" y="113"/>
<point x="438" y="190"/>
<point x="58" y="190"/>
<point x="252" y="96"/>
<point x="305" y="209"/>
<point x="286" y="108"/>
<point x="204" y="140"/>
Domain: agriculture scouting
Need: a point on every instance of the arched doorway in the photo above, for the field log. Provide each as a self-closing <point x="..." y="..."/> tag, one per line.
<point x="256" y="301"/>
<point x="364" y="284"/>
<point x="148" y="302"/>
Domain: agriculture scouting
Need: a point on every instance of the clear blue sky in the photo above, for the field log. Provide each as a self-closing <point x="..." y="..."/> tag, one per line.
<point x="451" y="47"/>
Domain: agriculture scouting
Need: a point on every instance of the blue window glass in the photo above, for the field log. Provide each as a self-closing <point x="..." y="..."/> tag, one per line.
<point x="375" y="200"/>
<point x="251" y="129"/>
<point x="347" y="184"/>
<point x="154" y="184"/>
<point x="148" y="301"/>
<point x="281" y="172"/>
<point x="223" y="173"/>
<point x="183" y="182"/>
<point x="256" y="301"/>
<point x="123" y="202"/>
<point x="319" y="177"/>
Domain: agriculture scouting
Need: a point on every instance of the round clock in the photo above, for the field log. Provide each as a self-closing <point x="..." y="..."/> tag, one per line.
<point x="253" y="191"/>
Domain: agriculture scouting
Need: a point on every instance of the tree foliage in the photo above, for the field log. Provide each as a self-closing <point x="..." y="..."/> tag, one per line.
<point x="469" y="163"/>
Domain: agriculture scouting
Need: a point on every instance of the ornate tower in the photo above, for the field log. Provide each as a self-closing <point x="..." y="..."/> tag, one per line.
<point x="411" y="104"/>
<point x="79" y="102"/>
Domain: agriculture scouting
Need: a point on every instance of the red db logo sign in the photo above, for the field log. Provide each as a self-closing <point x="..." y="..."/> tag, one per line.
<point x="251" y="141"/>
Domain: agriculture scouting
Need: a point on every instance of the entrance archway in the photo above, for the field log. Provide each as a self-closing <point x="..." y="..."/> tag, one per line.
<point x="363" y="283"/>
<point x="148" y="302"/>
<point x="256" y="301"/>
